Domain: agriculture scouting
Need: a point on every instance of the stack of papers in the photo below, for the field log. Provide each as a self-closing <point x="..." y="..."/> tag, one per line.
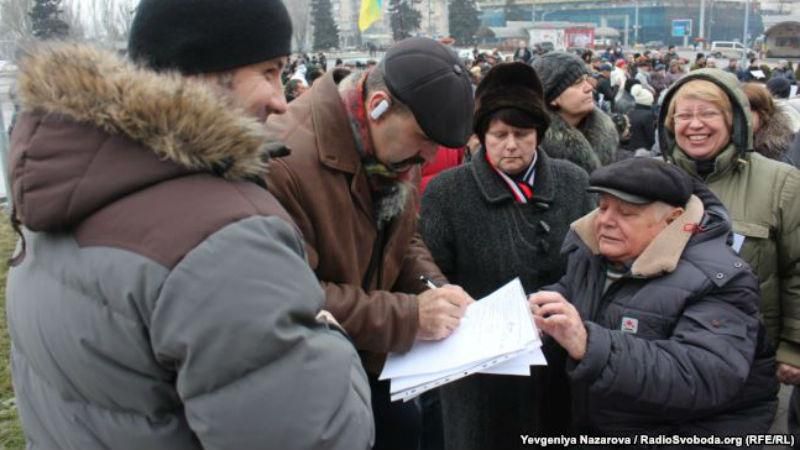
<point x="496" y="336"/>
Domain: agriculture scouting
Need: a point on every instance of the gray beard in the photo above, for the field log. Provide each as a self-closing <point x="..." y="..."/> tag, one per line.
<point x="392" y="203"/>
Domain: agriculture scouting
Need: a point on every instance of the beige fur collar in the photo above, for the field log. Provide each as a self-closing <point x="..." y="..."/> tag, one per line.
<point x="180" y="119"/>
<point x="664" y="252"/>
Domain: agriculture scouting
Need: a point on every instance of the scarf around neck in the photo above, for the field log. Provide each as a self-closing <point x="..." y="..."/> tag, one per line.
<point x="389" y="188"/>
<point x="520" y="185"/>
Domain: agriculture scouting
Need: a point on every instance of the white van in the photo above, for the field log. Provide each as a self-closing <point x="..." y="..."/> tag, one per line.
<point x="728" y="50"/>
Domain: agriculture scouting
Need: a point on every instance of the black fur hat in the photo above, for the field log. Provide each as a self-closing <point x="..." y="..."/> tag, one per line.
<point x="205" y="36"/>
<point x="510" y="86"/>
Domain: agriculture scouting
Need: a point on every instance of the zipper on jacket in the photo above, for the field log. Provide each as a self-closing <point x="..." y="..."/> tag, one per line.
<point x="375" y="261"/>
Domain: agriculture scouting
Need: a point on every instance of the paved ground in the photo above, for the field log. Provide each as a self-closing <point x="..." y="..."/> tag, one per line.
<point x="779" y="425"/>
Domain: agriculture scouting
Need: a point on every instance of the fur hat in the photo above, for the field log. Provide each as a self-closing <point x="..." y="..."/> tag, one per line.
<point x="510" y="86"/>
<point x="558" y="71"/>
<point x="641" y="95"/>
<point x="205" y="36"/>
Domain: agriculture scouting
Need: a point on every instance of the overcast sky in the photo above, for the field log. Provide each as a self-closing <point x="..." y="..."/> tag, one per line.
<point x="87" y="9"/>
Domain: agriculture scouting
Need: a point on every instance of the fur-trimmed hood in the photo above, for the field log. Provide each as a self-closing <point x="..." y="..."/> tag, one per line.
<point x="591" y="145"/>
<point x="94" y="127"/>
<point x="774" y="138"/>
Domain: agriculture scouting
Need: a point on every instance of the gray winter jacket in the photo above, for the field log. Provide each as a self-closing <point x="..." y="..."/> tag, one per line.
<point x="675" y="346"/>
<point x="161" y="300"/>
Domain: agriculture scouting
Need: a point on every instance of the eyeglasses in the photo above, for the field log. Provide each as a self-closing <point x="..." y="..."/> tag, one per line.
<point x="585" y="78"/>
<point x="705" y="116"/>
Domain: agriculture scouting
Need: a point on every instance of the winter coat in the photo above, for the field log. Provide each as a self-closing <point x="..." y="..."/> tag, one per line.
<point x="792" y="115"/>
<point x="676" y="346"/>
<point x="763" y="198"/>
<point x="590" y="145"/>
<point x="604" y="88"/>
<point x="162" y="299"/>
<point x="643" y="128"/>
<point x="445" y="159"/>
<point x="481" y="238"/>
<point x="324" y="186"/>
<point x="624" y="102"/>
<point x="784" y="73"/>
<point x="792" y="155"/>
<point x="774" y="137"/>
<point x="672" y="77"/>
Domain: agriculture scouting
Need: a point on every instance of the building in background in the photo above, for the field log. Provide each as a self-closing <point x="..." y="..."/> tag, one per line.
<point x="638" y="21"/>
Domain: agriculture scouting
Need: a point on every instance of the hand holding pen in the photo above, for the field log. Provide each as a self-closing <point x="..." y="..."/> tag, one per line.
<point x="440" y="309"/>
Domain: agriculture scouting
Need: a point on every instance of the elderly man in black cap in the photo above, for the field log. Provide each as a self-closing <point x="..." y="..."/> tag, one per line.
<point x="658" y="315"/>
<point x="162" y="298"/>
<point x="349" y="184"/>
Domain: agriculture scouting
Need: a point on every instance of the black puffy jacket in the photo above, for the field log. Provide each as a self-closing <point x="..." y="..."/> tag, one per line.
<point x="676" y="346"/>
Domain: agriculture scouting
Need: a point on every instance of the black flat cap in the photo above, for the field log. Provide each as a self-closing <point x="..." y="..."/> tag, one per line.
<point x="431" y="80"/>
<point x="642" y="181"/>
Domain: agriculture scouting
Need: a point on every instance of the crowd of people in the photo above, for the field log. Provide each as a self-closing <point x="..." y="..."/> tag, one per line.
<point x="219" y="247"/>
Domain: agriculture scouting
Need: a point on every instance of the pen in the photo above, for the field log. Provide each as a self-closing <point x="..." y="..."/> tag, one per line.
<point x="428" y="282"/>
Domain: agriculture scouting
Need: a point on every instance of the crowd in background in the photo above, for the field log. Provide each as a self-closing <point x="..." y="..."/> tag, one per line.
<point x="649" y="205"/>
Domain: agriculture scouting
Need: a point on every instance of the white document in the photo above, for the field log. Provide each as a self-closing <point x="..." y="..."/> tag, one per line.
<point x="496" y="335"/>
<point x="738" y="240"/>
<point x="521" y="365"/>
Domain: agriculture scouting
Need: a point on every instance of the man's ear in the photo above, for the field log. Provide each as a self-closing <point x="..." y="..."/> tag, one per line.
<point x="377" y="104"/>
<point x="676" y="212"/>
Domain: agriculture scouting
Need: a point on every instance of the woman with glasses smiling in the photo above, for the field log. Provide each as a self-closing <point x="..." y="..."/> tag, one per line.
<point x="579" y="131"/>
<point x="706" y="128"/>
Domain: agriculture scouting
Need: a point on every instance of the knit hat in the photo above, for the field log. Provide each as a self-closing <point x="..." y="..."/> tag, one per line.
<point x="205" y="36"/>
<point x="642" y="181"/>
<point x="558" y="71"/>
<point x="641" y="95"/>
<point x="510" y="86"/>
<point x="431" y="80"/>
<point x="779" y="87"/>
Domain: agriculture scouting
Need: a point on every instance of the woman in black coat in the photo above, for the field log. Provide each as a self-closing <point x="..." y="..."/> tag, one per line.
<point x="642" y="120"/>
<point x="504" y="215"/>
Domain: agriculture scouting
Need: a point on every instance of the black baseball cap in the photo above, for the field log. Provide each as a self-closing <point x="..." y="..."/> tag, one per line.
<point x="643" y="180"/>
<point x="430" y="79"/>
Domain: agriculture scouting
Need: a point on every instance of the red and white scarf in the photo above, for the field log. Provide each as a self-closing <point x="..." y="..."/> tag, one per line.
<point x="521" y="187"/>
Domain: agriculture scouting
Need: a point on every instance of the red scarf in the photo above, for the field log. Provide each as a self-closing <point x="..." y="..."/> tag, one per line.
<point x="353" y="93"/>
<point x="521" y="187"/>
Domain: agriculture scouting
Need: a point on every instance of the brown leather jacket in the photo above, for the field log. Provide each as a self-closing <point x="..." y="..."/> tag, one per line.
<point x="324" y="187"/>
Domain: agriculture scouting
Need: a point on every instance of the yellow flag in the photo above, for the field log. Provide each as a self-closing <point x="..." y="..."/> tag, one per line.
<point x="370" y="13"/>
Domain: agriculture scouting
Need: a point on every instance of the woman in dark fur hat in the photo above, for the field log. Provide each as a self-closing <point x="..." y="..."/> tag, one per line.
<point x="504" y="215"/>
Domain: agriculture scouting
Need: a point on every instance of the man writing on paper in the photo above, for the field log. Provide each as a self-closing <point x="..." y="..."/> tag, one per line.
<point x="355" y="150"/>
<point x="658" y="315"/>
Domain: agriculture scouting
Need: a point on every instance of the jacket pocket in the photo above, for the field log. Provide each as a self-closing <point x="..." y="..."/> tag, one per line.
<point x="713" y="322"/>
<point x="757" y="247"/>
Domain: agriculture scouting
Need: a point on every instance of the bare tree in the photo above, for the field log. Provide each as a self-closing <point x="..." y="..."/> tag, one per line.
<point x="300" y="10"/>
<point x="72" y="16"/>
<point x="15" y="23"/>
<point x="111" y="19"/>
